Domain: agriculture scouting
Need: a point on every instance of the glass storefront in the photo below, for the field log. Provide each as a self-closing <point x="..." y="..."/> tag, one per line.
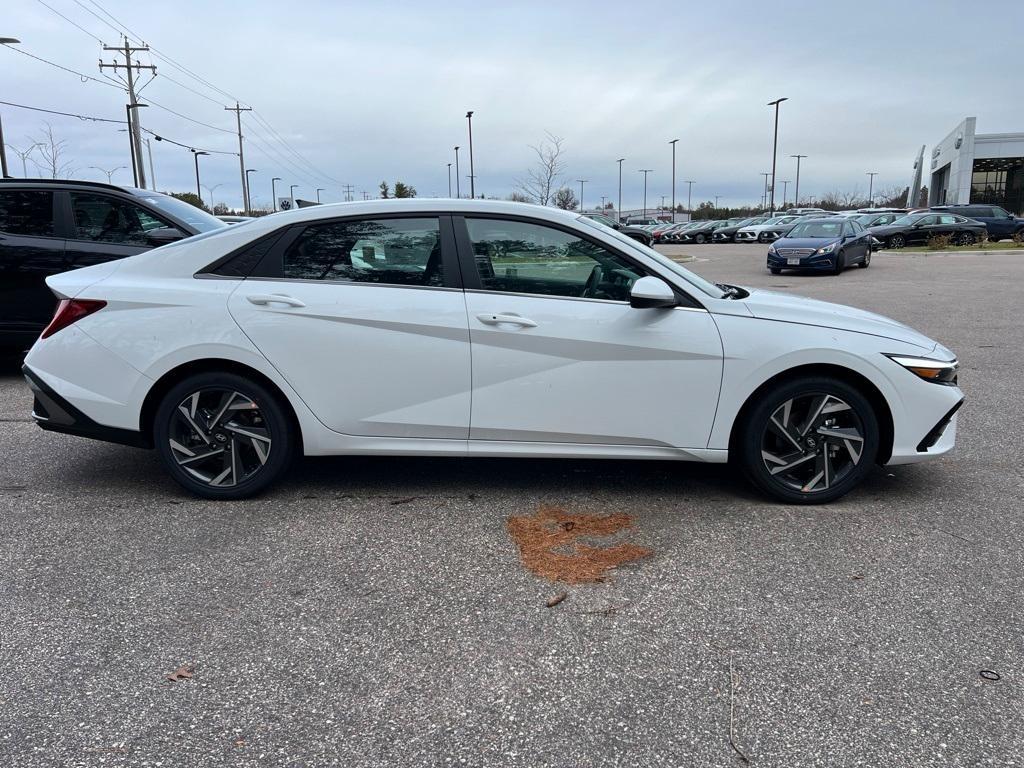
<point x="999" y="181"/>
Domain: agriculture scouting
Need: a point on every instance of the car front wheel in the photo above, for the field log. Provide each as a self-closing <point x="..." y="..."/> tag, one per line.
<point x="808" y="440"/>
<point x="223" y="436"/>
<point x="897" y="241"/>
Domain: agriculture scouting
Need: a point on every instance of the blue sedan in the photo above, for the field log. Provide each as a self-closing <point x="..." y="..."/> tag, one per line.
<point x="821" y="245"/>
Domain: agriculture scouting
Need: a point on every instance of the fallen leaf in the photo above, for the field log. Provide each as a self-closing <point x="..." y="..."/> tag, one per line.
<point x="556" y="599"/>
<point x="183" y="672"/>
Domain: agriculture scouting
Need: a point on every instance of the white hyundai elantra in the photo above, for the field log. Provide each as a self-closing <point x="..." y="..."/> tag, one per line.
<point x="473" y="328"/>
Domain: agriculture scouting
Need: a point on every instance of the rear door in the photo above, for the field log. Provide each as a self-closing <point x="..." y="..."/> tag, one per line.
<point x="104" y="227"/>
<point x="560" y="356"/>
<point x="365" y="318"/>
<point x="31" y="249"/>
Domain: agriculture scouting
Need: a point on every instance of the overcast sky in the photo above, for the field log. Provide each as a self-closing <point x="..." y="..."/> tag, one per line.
<point x="366" y="91"/>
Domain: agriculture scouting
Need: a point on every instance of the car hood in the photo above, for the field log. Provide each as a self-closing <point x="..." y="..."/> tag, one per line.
<point x="761" y="227"/>
<point x="787" y="308"/>
<point x="885" y="229"/>
<point x="804" y="242"/>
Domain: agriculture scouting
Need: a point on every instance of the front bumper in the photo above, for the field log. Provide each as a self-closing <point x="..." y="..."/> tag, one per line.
<point x="821" y="263"/>
<point x="746" y="237"/>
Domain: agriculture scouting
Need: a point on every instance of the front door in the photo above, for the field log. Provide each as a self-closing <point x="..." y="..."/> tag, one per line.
<point x="366" y="321"/>
<point x="560" y="356"/>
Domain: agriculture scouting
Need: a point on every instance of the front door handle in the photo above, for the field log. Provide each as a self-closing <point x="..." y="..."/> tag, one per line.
<point x="263" y="299"/>
<point x="512" y="319"/>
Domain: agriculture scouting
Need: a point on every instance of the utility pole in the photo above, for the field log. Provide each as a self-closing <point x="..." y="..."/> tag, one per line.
<point x="582" y="182"/>
<point x="130" y="69"/>
<point x="673" y="143"/>
<point x="689" y="197"/>
<point x="3" y="152"/>
<point x="238" y="110"/>
<point x="619" y="161"/>
<point x="645" y="171"/>
<point x="796" y="192"/>
<point x="871" y="188"/>
<point x="348" y="192"/>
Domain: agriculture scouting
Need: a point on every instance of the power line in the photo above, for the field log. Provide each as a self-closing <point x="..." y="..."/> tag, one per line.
<point x="88" y="10"/>
<point x="186" y="117"/>
<point x="84" y="77"/>
<point x="69" y="21"/>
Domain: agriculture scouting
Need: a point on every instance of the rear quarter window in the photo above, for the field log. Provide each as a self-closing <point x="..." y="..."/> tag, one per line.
<point x="26" y="212"/>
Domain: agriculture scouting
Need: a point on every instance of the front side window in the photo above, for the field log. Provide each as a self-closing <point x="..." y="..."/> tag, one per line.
<point x="522" y="257"/>
<point x="947" y="218"/>
<point x="106" y="219"/>
<point x="26" y="212"/>
<point x="392" y="251"/>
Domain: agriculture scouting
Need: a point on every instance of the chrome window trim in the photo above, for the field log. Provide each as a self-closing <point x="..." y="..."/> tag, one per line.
<point x="485" y="292"/>
<point x="314" y="281"/>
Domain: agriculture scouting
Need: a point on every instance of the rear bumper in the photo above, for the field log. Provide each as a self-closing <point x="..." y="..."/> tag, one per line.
<point x="55" y="414"/>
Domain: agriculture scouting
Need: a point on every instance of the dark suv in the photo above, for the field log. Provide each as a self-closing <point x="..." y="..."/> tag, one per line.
<point x="47" y="227"/>
<point x="999" y="223"/>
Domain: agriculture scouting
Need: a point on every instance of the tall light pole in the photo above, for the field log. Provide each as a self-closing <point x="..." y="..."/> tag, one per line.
<point x="619" y="216"/>
<point x="3" y="151"/>
<point x="673" y="143"/>
<point x="582" y="182"/>
<point x="318" y="191"/>
<point x="871" y="188"/>
<point x="796" y="192"/>
<point x="24" y="155"/>
<point x="764" y="194"/>
<point x="197" y="153"/>
<point x="449" y="179"/>
<point x="689" y="196"/>
<point x="785" y="188"/>
<point x="775" y="145"/>
<point x="152" y="176"/>
<point x="211" y="190"/>
<point x="716" y="201"/>
<point x="458" y="189"/>
<point x="109" y="173"/>
<point x="645" y="171"/>
<point x="291" y="194"/>
<point x="248" y="189"/>
<point x="273" y="191"/>
<point x="472" y="177"/>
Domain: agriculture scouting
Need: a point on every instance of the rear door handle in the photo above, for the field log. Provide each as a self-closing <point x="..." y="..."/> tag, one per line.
<point x="512" y="319"/>
<point x="263" y="299"/>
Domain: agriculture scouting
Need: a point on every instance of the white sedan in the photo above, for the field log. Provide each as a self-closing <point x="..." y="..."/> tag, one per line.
<point x="473" y="328"/>
<point x="766" y="231"/>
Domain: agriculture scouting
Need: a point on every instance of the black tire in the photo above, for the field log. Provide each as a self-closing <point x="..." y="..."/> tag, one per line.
<point x="896" y="241"/>
<point x="965" y="238"/>
<point x="865" y="262"/>
<point x="775" y="270"/>
<point x="762" y="238"/>
<point x="755" y="440"/>
<point x="699" y="238"/>
<point x="840" y="264"/>
<point x="256" y="461"/>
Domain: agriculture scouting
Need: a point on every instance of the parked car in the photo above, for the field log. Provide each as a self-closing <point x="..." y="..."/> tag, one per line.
<point x="807" y="212"/>
<point x="662" y="233"/>
<point x="676" y="235"/>
<point x="918" y="228"/>
<point x="727" y="234"/>
<point x="878" y="219"/>
<point x="474" y="328"/>
<point x="232" y="219"/>
<point x="703" y="232"/>
<point x="642" y="221"/>
<point x="766" y="231"/>
<point x="49" y="226"/>
<point x="637" y="233"/>
<point x="999" y="223"/>
<point x="825" y="245"/>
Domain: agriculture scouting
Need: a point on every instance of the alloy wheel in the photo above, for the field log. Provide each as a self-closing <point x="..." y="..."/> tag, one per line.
<point x="812" y="442"/>
<point x="897" y="241"/>
<point x="966" y="238"/>
<point x="219" y="437"/>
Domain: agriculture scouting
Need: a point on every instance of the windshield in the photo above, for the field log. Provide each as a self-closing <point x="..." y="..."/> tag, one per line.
<point x="907" y="220"/>
<point x="780" y="220"/>
<point x="829" y="229"/>
<point x="196" y="218"/>
<point x="697" y="282"/>
<point x="602" y="219"/>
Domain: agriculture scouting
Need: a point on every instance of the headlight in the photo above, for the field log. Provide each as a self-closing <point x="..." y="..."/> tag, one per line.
<point x="771" y="248"/>
<point x="938" y="371"/>
<point x="828" y="248"/>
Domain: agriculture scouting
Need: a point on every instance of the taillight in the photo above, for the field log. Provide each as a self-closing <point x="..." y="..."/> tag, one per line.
<point x="71" y="311"/>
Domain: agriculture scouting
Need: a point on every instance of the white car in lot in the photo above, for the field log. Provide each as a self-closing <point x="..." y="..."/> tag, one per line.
<point x="765" y="231"/>
<point x="473" y="328"/>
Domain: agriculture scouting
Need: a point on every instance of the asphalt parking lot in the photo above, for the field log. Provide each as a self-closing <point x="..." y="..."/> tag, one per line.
<point x="374" y="612"/>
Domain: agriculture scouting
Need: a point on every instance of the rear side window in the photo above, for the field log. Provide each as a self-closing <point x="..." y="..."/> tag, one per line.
<point x="26" y="212"/>
<point x="391" y="251"/>
<point x="976" y="212"/>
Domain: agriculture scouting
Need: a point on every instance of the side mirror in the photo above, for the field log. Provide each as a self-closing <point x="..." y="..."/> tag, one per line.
<point x="617" y="226"/>
<point x="651" y="293"/>
<point x="874" y="242"/>
<point x="164" y="235"/>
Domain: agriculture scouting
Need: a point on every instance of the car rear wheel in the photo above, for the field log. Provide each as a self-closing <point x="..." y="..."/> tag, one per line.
<point x="808" y="440"/>
<point x="965" y="238"/>
<point x="699" y="239"/>
<point x="762" y="238"/>
<point x="897" y="241"/>
<point x="223" y="436"/>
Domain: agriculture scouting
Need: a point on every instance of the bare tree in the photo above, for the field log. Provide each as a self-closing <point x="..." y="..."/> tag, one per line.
<point x="541" y="180"/>
<point x="565" y="199"/>
<point x="52" y="155"/>
<point x="519" y="197"/>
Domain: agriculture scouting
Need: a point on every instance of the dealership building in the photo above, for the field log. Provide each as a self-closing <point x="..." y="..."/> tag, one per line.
<point x="969" y="167"/>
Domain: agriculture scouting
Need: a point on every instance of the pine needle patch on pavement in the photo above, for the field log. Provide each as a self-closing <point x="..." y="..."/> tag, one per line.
<point x="549" y="544"/>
